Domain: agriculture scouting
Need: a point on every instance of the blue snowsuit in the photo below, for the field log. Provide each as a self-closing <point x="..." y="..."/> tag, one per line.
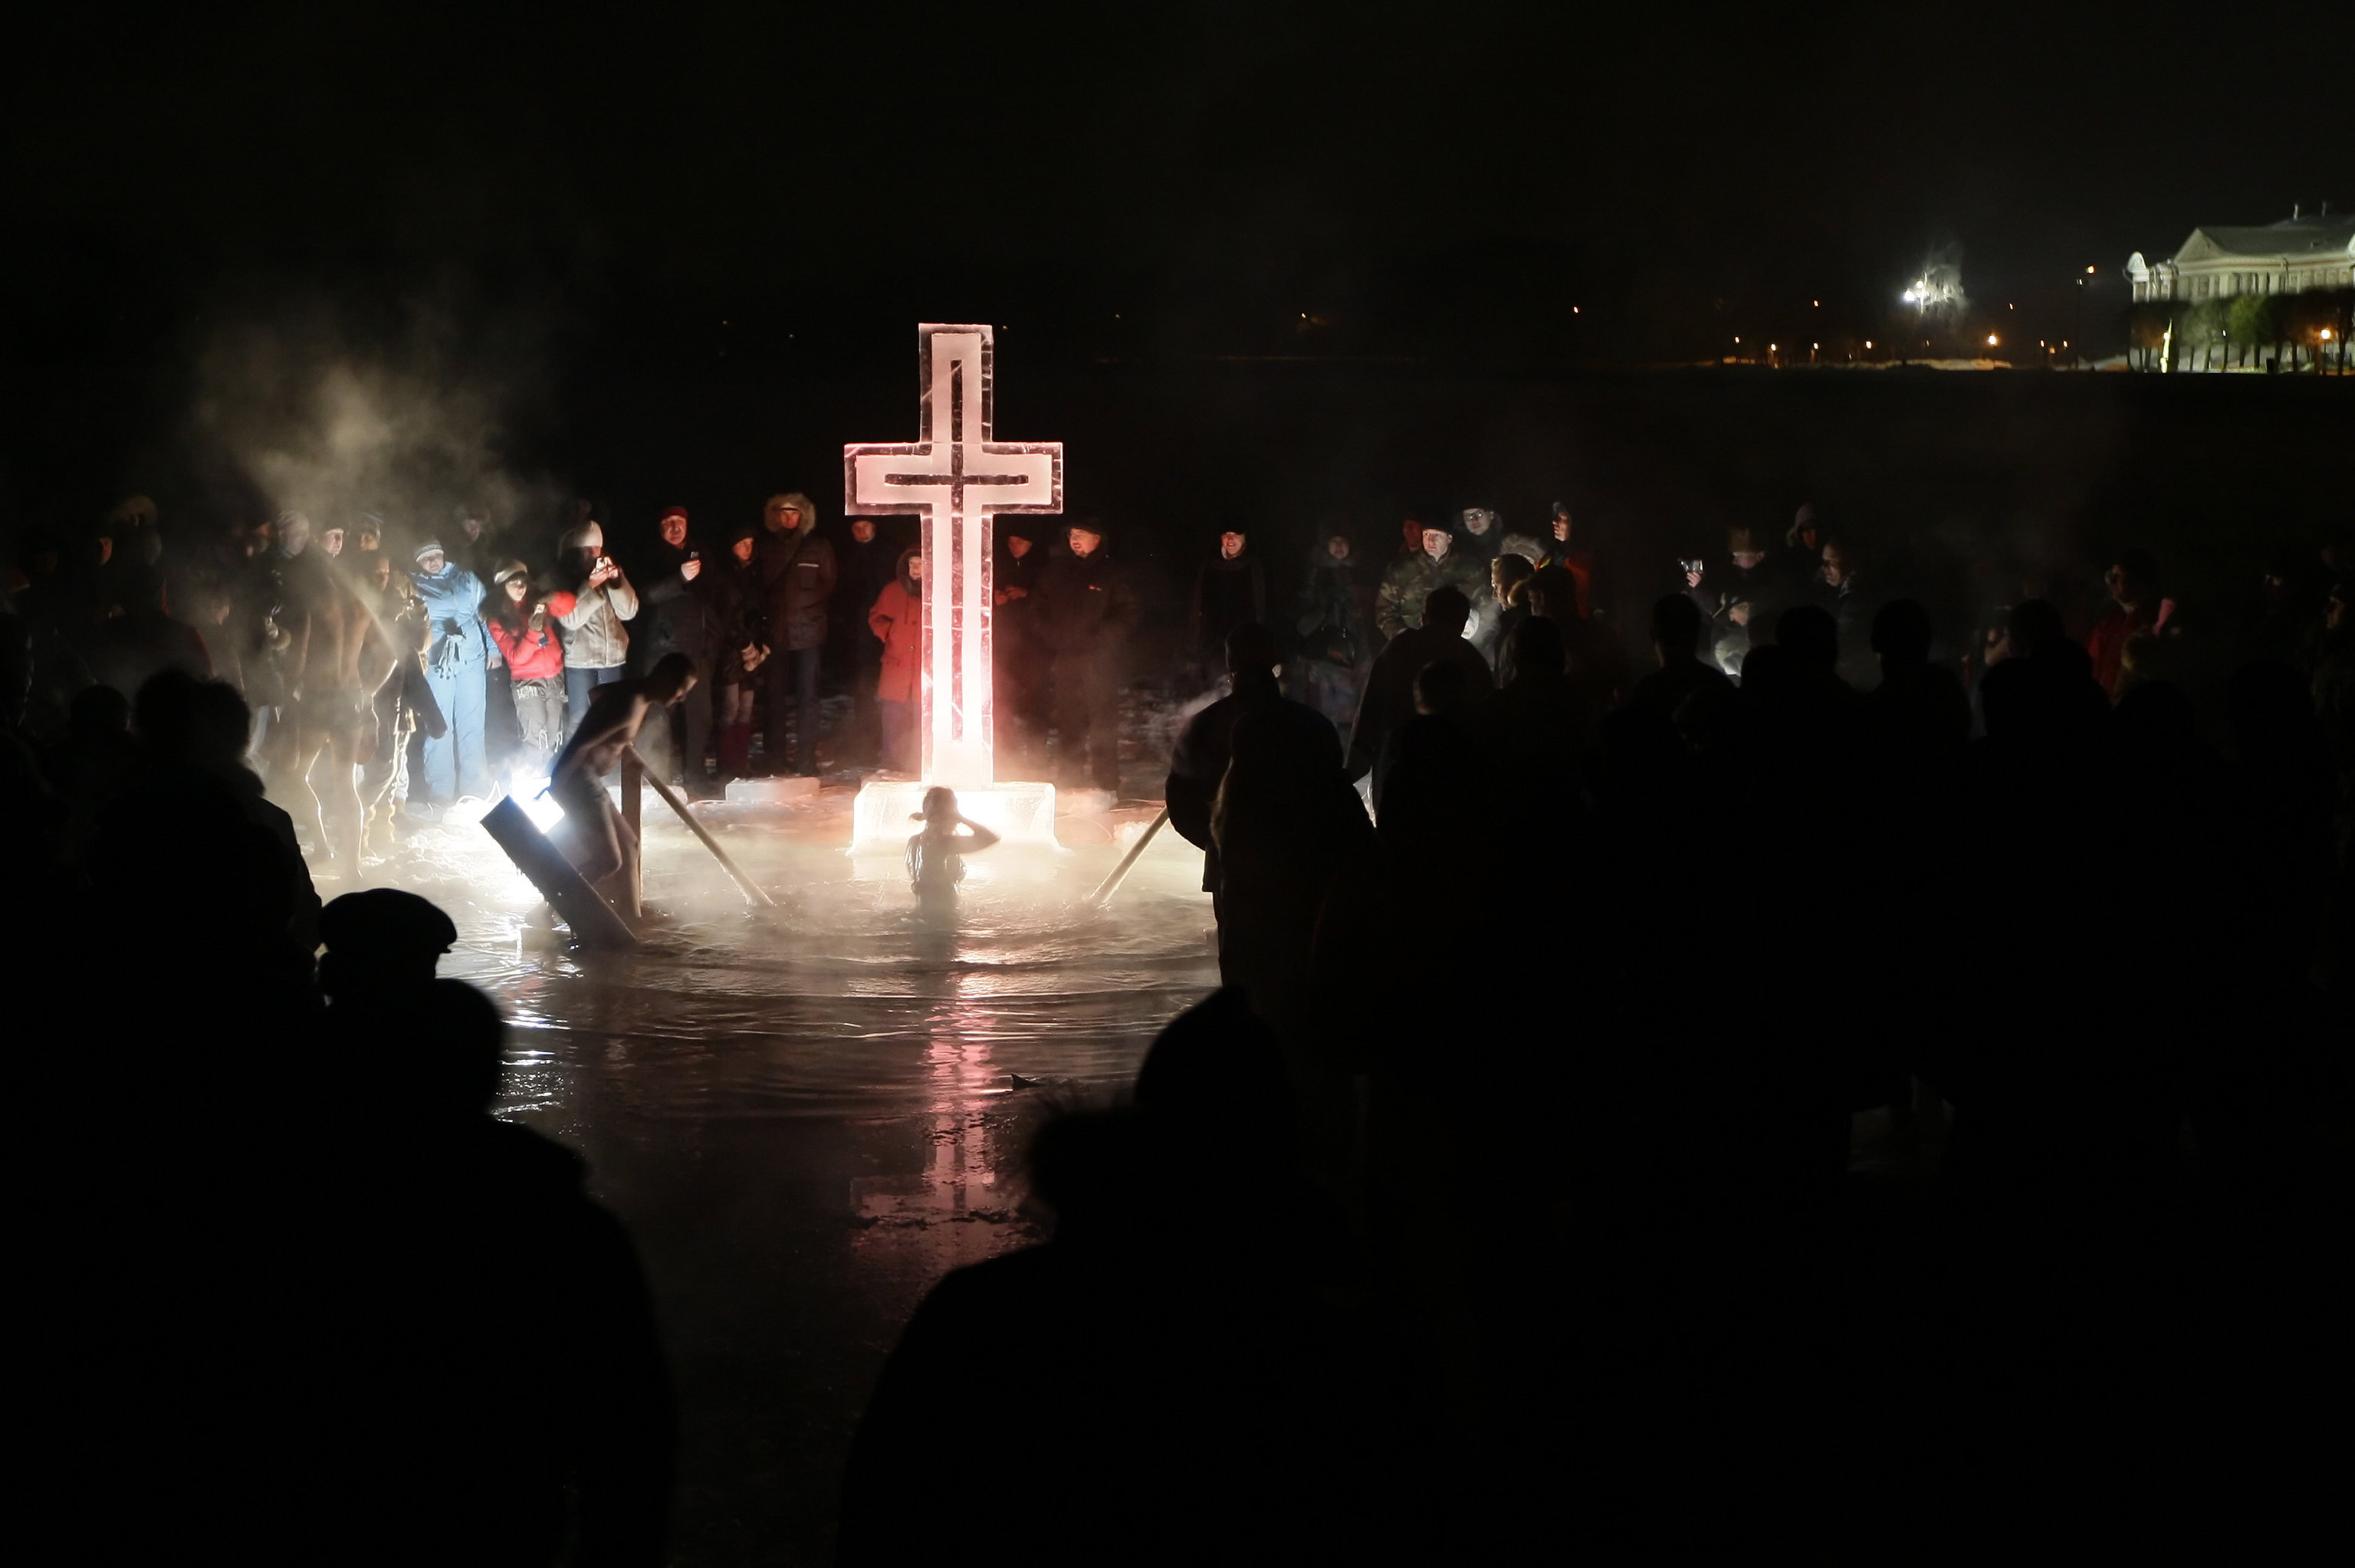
<point x="456" y="664"/>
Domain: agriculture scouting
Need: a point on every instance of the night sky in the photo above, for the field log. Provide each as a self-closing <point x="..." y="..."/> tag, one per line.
<point x="663" y="186"/>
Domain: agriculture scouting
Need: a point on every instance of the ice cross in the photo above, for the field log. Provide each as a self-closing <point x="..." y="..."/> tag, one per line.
<point x="958" y="478"/>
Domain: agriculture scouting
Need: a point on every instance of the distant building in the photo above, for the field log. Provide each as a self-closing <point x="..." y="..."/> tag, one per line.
<point x="2292" y="256"/>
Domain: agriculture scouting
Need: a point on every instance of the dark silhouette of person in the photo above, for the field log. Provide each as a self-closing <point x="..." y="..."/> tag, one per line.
<point x="473" y="1234"/>
<point x="1171" y="1357"/>
<point x="1199" y="761"/>
<point x="1389" y="700"/>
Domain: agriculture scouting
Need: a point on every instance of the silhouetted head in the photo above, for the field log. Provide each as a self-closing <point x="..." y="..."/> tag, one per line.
<point x="381" y="939"/>
<point x="1216" y="1078"/>
<point x="1445" y="609"/>
<point x="939" y="804"/>
<point x="1250" y="651"/>
<point x="1508" y="572"/>
<point x="1676" y="629"/>
<point x="1554" y="592"/>
<point x="439" y="1051"/>
<point x="98" y="713"/>
<point x="188" y="722"/>
<point x="672" y="678"/>
<point x="1439" y="688"/>
<point x="1812" y="637"/>
<point x="1266" y="744"/>
<point x="2032" y="626"/>
<point x="1537" y="652"/>
<point x="1901" y="635"/>
<point x="1769" y="669"/>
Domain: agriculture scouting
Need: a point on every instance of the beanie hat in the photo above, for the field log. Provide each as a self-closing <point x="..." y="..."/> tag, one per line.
<point x="509" y="570"/>
<point x="748" y="529"/>
<point x="670" y="512"/>
<point x="431" y="548"/>
<point x="588" y="536"/>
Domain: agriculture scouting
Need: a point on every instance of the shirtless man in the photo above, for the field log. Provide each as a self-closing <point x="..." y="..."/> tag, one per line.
<point x="593" y="834"/>
<point x="334" y="662"/>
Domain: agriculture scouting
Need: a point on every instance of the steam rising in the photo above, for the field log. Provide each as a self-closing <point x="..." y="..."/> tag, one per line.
<point x="316" y="421"/>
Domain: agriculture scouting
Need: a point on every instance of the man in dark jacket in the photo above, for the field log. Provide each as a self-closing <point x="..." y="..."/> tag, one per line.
<point x="1204" y="746"/>
<point x="673" y="585"/>
<point x="1086" y="611"/>
<point x="1018" y="651"/>
<point x="1229" y="590"/>
<point x="797" y="575"/>
<point x="866" y="567"/>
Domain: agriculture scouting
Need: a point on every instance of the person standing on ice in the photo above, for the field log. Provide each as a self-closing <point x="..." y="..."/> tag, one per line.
<point x="456" y="663"/>
<point x="936" y="854"/>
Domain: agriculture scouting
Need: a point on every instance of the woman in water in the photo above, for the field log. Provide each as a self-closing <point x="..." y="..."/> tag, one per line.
<point x="936" y="855"/>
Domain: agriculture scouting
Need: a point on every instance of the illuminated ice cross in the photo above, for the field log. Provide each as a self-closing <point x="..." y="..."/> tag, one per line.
<point x="958" y="478"/>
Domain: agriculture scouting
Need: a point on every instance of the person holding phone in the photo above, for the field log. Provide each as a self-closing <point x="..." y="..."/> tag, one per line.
<point x="596" y="642"/>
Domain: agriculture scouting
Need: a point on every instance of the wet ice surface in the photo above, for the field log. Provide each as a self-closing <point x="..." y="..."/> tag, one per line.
<point x="805" y="1115"/>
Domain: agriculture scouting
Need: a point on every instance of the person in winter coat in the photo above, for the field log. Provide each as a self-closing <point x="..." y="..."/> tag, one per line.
<point x="868" y="563"/>
<point x="743" y="644"/>
<point x="520" y="628"/>
<point x="596" y="644"/>
<point x="797" y="575"/>
<point x="1410" y="579"/>
<point x="896" y="621"/>
<point x="680" y="622"/>
<point x="1016" y="649"/>
<point x="1334" y="623"/>
<point x="456" y="663"/>
<point x="1086" y="613"/>
<point x="1229" y="590"/>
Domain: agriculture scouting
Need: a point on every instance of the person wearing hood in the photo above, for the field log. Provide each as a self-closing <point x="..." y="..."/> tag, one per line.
<point x="740" y="648"/>
<point x="596" y="644"/>
<point x="896" y="622"/>
<point x="1410" y="579"/>
<point x="679" y="589"/>
<point x="1335" y="627"/>
<point x="1229" y="590"/>
<point x="1087" y="611"/>
<point x="798" y="573"/>
<point x="457" y="663"/>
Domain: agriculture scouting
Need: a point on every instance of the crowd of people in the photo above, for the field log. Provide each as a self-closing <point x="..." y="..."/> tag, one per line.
<point x="1502" y="1196"/>
<point x="1505" y="1202"/>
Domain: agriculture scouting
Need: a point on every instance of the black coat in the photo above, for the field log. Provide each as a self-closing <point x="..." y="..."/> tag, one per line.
<point x="679" y="618"/>
<point x="1086" y="607"/>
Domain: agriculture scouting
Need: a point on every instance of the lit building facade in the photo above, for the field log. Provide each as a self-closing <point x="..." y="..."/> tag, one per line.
<point x="2293" y="256"/>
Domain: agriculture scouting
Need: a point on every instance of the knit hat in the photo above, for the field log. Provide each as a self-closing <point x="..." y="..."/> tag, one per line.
<point x="670" y="512"/>
<point x="509" y="570"/>
<point x="588" y="536"/>
<point x="748" y="529"/>
<point x="430" y="547"/>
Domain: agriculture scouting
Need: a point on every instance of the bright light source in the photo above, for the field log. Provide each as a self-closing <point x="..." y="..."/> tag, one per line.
<point x="1867" y="343"/>
<point x="2325" y="335"/>
<point x="2089" y="268"/>
<point x="1818" y="304"/>
<point x="1990" y="339"/>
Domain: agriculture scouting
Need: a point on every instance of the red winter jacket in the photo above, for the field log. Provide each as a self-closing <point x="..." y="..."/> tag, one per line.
<point x="530" y="655"/>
